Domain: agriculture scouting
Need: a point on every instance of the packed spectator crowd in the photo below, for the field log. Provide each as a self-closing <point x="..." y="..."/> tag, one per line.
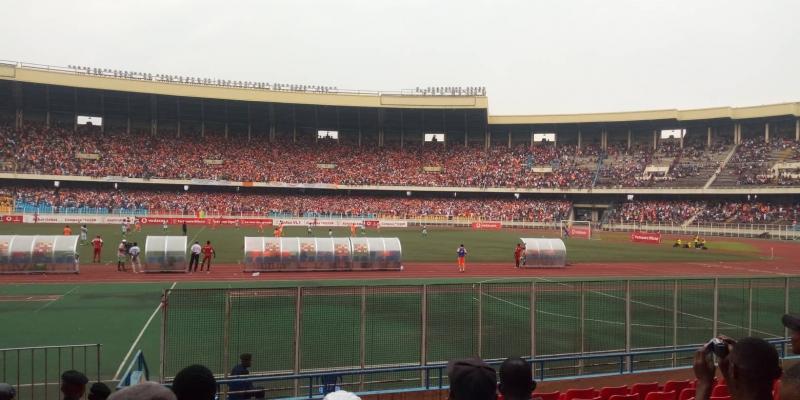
<point x="754" y="158"/>
<point x="678" y="212"/>
<point x="233" y="203"/>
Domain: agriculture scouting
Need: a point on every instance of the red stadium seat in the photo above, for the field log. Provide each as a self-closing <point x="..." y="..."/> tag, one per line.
<point x="546" y="395"/>
<point x="687" y="393"/>
<point x="624" y="397"/>
<point x="720" y="391"/>
<point x="660" y="396"/>
<point x="676" y="386"/>
<point x="588" y="393"/>
<point x="642" y="389"/>
<point x="607" y="392"/>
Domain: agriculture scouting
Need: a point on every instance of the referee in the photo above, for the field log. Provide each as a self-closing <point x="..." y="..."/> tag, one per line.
<point x="195" y="258"/>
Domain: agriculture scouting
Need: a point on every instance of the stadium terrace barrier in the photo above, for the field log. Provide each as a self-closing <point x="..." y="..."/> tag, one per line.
<point x="35" y="372"/>
<point x="766" y="231"/>
<point x="324" y="329"/>
<point x="26" y="254"/>
<point x="434" y="377"/>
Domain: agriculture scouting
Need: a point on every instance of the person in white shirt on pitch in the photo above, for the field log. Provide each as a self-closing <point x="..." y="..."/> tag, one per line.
<point x="135" y="263"/>
<point x="195" y="256"/>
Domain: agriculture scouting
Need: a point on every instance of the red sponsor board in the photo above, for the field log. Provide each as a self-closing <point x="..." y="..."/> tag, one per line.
<point x="580" y="232"/>
<point x="371" y="223"/>
<point x="487" y="225"/>
<point x="11" y="219"/>
<point x="646" y="237"/>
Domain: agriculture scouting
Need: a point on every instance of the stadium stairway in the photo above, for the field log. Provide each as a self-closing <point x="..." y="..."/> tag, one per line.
<point x="722" y="169"/>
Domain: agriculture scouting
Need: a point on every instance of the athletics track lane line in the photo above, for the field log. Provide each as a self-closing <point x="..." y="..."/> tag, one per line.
<point x="139" y="337"/>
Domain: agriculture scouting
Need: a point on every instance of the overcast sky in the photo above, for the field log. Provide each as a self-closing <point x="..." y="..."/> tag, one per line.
<point x="534" y="56"/>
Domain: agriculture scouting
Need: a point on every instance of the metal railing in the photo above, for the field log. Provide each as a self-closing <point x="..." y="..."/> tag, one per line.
<point x="434" y="377"/>
<point x="738" y="230"/>
<point x="36" y="371"/>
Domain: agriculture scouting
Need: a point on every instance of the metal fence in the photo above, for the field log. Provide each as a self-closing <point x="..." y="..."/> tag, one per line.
<point x="35" y="372"/>
<point x="312" y="329"/>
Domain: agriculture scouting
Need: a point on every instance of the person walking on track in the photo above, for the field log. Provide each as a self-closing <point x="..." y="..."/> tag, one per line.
<point x="518" y="254"/>
<point x="194" y="259"/>
<point x="462" y="255"/>
<point x="208" y="253"/>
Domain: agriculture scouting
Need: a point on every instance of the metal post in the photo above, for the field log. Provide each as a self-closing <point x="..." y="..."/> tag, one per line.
<point x="582" y="327"/>
<point x="750" y="308"/>
<point x="533" y="318"/>
<point x="33" y="371"/>
<point x="716" y="306"/>
<point x="674" y="320"/>
<point x="628" y="323"/>
<point x="480" y="319"/>
<point x="423" y="352"/>
<point x="786" y="304"/>
<point x="45" y="374"/>
<point x="164" y="310"/>
<point x="363" y="345"/>
<point x="226" y="340"/>
<point x="298" y="314"/>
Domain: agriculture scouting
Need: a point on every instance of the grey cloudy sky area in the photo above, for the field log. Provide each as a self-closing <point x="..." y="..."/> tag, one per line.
<point x="534" y="57"/>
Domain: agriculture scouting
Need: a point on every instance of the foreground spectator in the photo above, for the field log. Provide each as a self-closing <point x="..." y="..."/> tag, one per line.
<point x="471" y="379"/>
<point x="243" y="390"/>
<point x="790" y="383"/>
<point x="516" y="379"/>
<point x="195" y="382"/>
<point x="792" y="322"/>
<point x="73" y="385"/>
<point x="144" y="391"/>
<point x="750" y="369"/>
<point x="7" y="392"/>
<point x="99" y="391"/>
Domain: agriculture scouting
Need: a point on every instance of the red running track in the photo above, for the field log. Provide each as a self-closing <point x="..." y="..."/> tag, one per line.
<point x="786" y="262"/>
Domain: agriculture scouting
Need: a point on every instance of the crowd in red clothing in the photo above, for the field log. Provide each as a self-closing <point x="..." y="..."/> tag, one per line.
<point x="231" y="203"/>
<point x="678" y="212"/>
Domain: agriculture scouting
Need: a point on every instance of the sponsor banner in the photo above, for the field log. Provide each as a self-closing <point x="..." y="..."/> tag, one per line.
<point x="117" y="220"/>
<point x="371" y="223"/>
<point x="210" y="182"/>
<point x="11" y="219"/>
<point x="326" y="166"/>
<point x="205" y="221"/>
<point x="62" y="219"/>
<point x="487" y="225"/>
<point x="293" y="222"/>
<point x="580" y="232"/>
<point x="87" y="156"/>
<point x="392" y="224"/>
<point x="432" y="168"/>
<point x="646" y="237"/>
<point x="208" y="161"/>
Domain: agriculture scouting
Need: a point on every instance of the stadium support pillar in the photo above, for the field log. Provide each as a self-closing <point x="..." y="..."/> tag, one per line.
<point x="766" y="132"/>
<point x="249" y="124"/>
<point x="178" y="114"/>
<point x="604" y="139"/>
<point x="737" y="133"/>
<point x="75" y="109"/>
<point x="403" y="128"/>
<point x="226" y="120"/>
<point x="797" y="129"/>
<point x="358" y="125"/>
<point x="17" y="93"/>
<point x="708" y="140"/>
<point x="294" y="124"/>
<point x="271" y="121"/>
<point x="655" y="139"/>
<point x="380" y="127"/>
<point x="629" y="138"/>
<point x="580" y="138"/>
<point x="103" y="111"/>
<point x="47" y="105"/>
<point x="487" y="139"/>
<point x="509" y="138"/>
<point x="128" y="114"/>
<point x="202" y="119"/>
<point x="683" y="133"/>
<point x="18" y="118"/>
<point x="153" y="115"/>
<point x="316" y="122"/>
<point x="466" y="131"/>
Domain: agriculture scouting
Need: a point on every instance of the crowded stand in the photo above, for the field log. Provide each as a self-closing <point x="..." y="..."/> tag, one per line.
<point x="678" y="212"/>
<point x="754" y="160"/>
<point x="222" y="203"/>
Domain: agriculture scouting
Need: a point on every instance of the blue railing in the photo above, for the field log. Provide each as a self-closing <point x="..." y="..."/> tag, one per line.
<point x="433" y="376"/>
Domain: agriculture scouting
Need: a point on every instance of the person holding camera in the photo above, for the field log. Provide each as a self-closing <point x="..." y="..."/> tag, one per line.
<point x="750" y="367"/>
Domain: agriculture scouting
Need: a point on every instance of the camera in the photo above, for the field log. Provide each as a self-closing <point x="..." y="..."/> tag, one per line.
<point x="718" y="347"/>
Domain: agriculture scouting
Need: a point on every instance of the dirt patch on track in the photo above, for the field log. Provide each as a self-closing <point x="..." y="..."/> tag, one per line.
<point x="20" y="298"/>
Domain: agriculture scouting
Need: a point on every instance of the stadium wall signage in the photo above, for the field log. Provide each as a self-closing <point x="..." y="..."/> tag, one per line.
<point x="487" y="225"/>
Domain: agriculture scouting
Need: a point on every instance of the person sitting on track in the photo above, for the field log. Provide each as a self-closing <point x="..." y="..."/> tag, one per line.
<point x="678" y="243"/>
<point x="750" y="368"/>
<point x="195" y="382"/>
<point x="516" y="379"/>
<point x="471" y="379"/>
<point x="144" y="391"/>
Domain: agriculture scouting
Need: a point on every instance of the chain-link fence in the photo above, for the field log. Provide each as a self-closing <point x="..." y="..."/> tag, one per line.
<point x="307" y="329"/>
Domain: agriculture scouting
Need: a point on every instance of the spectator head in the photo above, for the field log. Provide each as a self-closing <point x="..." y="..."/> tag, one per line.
<point x="7" y="392"/>
<point x="144" y="391"/>
<point x="99" y="391"/>
<point x="751" y="368"/>
<point x="98" y="236"/>
<point x="135" y="243"/>
<point x="247" y="359"/>
<point x="516" y="379"/>
<point x="790" y="384"/>
<point x="73" y="384"/>
<point x="341" y="395"/>
<point x="471" y="379"/>
<point x="792" y="322"/>
<point x="196" y="242"/>
<point x="208" y="242"/>
<point x="194" y="382"/>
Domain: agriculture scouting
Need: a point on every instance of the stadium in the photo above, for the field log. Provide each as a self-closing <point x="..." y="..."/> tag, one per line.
<point x="332" y="219"/>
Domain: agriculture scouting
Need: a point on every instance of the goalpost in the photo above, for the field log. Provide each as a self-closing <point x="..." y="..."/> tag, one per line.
<point x="576" y="229"/>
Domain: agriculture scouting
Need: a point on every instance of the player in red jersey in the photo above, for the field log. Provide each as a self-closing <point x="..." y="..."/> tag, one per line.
<point x="208" y="253"/>
<point x="97" y="246"/>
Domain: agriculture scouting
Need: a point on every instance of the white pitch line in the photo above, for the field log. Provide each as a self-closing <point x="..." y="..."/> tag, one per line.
<point x="54" y="300"/>
<point x="139" y="337"/>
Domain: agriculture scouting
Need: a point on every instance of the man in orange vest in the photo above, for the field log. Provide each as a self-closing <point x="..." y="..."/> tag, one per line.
<point x="67" y="230"/>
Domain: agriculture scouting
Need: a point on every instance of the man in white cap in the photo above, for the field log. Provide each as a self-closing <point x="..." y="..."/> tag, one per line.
<point x="792" y="322"/>
<point x="7" y="392"/>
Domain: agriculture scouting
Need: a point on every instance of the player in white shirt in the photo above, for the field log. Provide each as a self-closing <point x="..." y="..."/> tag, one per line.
<point x="195" y="256"/>
<point x="136" y="265"/>
<point x="84" y="235"/>
<point x="165" y="226"/>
